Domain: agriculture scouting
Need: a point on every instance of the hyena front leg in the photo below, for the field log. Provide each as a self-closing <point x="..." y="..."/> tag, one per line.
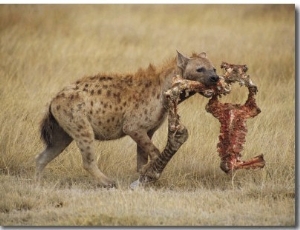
<point x="145" y="146"/>
<point x="177" y="135"/>
<point x="142" y="156"/>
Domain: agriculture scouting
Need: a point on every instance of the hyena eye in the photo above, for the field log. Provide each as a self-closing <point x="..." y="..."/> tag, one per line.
<point x="200" y="69"/>
<point x="215" y="70"/>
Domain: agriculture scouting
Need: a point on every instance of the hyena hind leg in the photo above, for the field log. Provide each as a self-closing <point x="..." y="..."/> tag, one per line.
<point x="60" y="140"/>
<point x="89" y="161"/>
<point x="85" y="143"/>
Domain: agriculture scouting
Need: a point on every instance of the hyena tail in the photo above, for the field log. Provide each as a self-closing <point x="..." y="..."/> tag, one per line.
<point x="47" y="128"/>
<point x="56" y="140"/>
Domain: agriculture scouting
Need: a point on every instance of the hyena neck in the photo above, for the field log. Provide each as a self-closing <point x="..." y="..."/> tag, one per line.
<point x="167" y="74"/>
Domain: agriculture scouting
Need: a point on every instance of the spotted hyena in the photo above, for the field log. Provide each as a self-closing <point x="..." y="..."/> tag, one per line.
<point x="110" y="106"/>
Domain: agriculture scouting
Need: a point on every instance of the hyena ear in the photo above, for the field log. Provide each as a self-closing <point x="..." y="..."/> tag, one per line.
<point x="181" y="60"/>
<point x="202" y="54"/>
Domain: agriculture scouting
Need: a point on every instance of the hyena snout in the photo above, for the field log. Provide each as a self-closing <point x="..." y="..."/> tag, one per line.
<point x="214" y="78"/>
<point x="211" y="79"/>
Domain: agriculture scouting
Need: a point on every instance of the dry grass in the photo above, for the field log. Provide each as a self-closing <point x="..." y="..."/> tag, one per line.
<point x="45" y="47"/>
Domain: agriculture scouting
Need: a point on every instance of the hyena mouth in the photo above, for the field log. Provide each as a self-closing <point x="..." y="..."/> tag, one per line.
<point x="221" y="88"/>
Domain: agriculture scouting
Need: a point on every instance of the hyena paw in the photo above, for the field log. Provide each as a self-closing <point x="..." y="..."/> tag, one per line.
<point x="108" y="183"/>
<point x="144" y="180"/>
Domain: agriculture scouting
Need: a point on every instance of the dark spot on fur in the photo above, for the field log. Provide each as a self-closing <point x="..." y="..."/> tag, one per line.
<point x="86" y="85"/>
<point x="108" y="120"/>
<point x="105" y="86"/>
<point x="128" y="80"/>
<point x="58" y="107"/>
<point x="148" y="84"/>
<point x="104" y="78"/>
<point x="145" y="143"/>
<point x="79" y="106"/>
<point x="112" y="119"/>
<point x="99" y="91"/>
<point x="108" y="93"/>
<point x="92" y="92"/>
<point x="92" y="103"/>
<point x="117" y="97"/>
<point x="85" y="134"/>
<point x="124" y="103"/>
<point x="153" y="93"/>
<point x="88" y="117"/>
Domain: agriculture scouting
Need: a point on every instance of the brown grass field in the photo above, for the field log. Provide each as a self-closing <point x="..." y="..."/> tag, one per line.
<point x="45" y="47"/>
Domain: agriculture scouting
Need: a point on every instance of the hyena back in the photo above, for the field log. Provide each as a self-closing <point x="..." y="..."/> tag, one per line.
<point x="107" y="107"/>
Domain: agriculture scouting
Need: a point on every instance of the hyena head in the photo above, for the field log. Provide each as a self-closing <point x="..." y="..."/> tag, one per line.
<point x="197" y="68"/>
